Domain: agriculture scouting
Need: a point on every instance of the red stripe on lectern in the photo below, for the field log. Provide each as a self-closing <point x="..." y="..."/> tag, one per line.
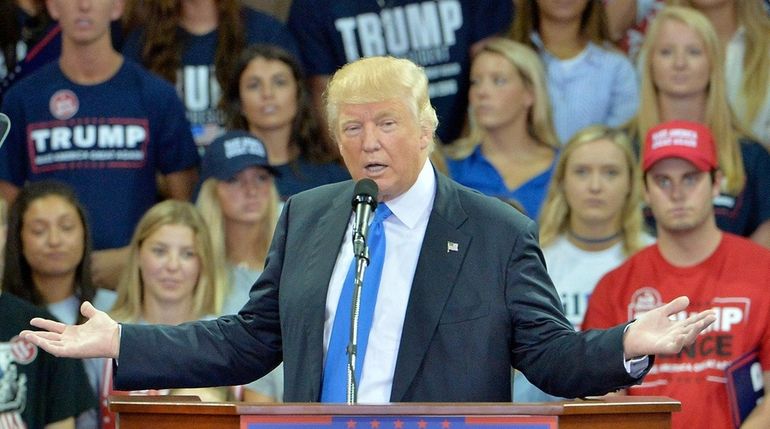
<point x="287" y="419"/>
<point x="491" y="420"/>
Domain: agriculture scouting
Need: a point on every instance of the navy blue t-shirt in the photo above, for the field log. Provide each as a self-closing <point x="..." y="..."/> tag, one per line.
<point x="107" y="141"/>
<point x="302" y="174"/>
<point x="197" y="82"/>
<point x="434" y="34"/>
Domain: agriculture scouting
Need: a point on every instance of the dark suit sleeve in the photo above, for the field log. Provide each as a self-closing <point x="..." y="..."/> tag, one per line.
<point x="230" y="350"/>
<point x="546" y="348"/>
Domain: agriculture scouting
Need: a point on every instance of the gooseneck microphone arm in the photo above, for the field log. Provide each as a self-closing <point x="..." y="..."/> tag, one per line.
<point x="364" y="204"/>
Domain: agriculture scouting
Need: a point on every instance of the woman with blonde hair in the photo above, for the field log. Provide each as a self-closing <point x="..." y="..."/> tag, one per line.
<point x="202" y="280"/>
<point x="683" y="78"/>
<point x="170" y="278"/>
<point x="239" y="202"/>
<point x="743" y="28"/>
<point x="590" y="223"/>
<point x="589" y="82"/>
<point x="511" y="147"/>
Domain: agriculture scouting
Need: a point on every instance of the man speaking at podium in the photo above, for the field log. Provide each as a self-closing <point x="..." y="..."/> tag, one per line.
<point x="459" y="293"/>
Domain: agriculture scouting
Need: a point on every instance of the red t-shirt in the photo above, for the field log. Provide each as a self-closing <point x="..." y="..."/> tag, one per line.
<point x="735" y="280"/>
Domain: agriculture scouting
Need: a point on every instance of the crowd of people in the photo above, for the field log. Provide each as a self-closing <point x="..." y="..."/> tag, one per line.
<point x="634" y="134"/>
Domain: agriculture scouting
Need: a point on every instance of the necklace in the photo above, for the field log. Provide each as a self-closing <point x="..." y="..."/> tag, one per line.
<point x="589" y="240"/>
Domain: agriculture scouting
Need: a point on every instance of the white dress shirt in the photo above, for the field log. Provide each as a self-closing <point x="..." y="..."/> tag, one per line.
<point x="404" y="232"/>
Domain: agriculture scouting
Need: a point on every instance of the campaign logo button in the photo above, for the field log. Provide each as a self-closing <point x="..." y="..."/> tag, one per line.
<point x="64" y="104"/>
<point x="22" y="350"/>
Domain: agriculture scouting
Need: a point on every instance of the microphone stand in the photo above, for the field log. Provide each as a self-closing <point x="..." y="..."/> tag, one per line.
<point x="361" y="253"/>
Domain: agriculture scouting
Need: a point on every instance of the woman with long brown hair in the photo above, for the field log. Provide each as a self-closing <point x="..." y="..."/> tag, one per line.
<point x="266" y="96"/>
<point x="194" y="45"/>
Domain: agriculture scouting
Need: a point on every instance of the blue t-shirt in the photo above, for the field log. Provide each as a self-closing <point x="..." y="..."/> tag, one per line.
<point x="302" y="174"/>
<point x="744" y="213"/>
<point x="107" y="141"/>
<point x="434" y="34"/>
<point x="598" y="86"/>
<point x="478" y="173"/>
<point x="197" y="82"/>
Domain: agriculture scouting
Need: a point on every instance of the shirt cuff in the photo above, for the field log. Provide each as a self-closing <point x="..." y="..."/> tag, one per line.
<point x="635" y="367"/>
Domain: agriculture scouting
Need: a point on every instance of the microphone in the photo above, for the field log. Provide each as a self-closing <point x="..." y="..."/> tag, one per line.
<point x="364" y="203"/>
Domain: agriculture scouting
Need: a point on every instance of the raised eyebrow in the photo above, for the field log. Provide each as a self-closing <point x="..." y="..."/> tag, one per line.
<point x="386" y="114"/>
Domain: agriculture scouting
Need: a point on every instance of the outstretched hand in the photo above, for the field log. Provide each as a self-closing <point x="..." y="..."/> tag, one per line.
<point x="98" y="337"/>
<point x="655" y="333"/>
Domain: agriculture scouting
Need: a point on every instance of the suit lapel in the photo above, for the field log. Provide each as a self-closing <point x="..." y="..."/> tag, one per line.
<point x="441" y="256"/>
<point x="323" y="247"/>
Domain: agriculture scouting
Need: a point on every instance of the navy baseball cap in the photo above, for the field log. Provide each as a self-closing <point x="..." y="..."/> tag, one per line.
<point x="231" y="153"/>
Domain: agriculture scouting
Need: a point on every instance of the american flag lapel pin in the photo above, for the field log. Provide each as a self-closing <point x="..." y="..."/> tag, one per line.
<point x="451" y="246"/>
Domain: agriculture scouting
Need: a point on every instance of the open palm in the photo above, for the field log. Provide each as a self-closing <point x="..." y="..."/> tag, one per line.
<point x="97" y="337"/>
<point x="656" y="333"/>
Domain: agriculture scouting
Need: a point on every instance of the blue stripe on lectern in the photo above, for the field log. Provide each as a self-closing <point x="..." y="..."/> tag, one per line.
<point x="399" y="422"/>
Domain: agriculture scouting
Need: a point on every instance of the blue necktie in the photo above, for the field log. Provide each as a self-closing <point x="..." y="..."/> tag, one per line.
<point x="335" y="377"/>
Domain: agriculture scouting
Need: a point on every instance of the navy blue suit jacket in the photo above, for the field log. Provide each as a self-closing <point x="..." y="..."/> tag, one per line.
<point x="472" y="314"/>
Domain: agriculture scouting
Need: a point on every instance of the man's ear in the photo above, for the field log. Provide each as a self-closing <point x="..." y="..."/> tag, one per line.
<point x="645" y="190"/>
<point x="426" y="137"/>
<point x="716" y="185"/>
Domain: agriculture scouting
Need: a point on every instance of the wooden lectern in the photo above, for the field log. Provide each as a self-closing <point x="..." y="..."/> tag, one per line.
<point x="177" y="412"/>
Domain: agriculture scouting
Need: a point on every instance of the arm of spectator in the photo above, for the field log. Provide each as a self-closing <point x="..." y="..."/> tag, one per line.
<point x="107" y="266"/>
<point x="761" y="235"/>
<point x="8" y="191"/>
<point x="252" y="396"/>
<point x="624" y="96"/>
<point x="621" y="15"/>
<point x="206" y="394"/>
<point x="760" y="416"/>
<point x="180" y="184"/>
<point x="68" y="423"/>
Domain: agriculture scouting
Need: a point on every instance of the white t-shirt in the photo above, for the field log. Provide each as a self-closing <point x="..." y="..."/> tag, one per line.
<point x="575" y="272"/>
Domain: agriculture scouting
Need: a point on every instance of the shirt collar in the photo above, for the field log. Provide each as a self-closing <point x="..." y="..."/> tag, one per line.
<point x="412" y="205"/>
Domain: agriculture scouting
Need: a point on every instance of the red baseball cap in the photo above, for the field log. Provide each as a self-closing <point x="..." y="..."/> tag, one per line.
<point x="691" y="141"/>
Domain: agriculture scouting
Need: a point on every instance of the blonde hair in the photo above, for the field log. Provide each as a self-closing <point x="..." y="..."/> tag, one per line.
<point x="211" y="212"/>
<point x="756" y="61"/>
<point x="556" y="212"/>
<point x="377" y="79"/>
<point x="719" y="116"/>
<point x="128" y="306"/>
<point x="539" y="120"/>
